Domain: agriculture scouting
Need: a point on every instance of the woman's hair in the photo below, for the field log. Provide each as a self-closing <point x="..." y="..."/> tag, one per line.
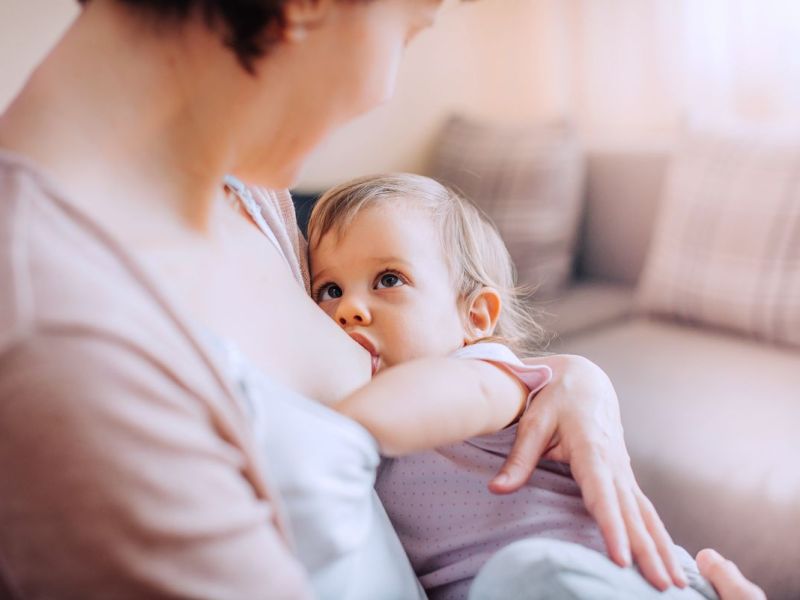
<point x="248" y="27"/>
<point x="474" y="250"/>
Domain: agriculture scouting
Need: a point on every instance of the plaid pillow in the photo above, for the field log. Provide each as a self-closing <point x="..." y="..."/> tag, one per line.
<point x="529" y="181"/>
<point x="726" y="250"/>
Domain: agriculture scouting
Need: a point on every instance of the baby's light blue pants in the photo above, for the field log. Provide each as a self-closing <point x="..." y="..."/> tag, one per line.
<point x="544" y="569"/>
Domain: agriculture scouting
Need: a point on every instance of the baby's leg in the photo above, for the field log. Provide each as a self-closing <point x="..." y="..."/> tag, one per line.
<point x="540" y="568"/>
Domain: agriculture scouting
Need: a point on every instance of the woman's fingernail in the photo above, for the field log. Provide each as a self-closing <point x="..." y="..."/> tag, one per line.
<point x="668" y="583"/>
<point x="713" y="554"/>
<point x="502" y="479"/>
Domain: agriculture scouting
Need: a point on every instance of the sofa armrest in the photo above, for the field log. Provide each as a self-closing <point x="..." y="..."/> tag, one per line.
<point x="584" y="306"/>
<point x="622" y="200"/>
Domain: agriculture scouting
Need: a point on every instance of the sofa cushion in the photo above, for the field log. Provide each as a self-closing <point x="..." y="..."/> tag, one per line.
<point x="711" y="421"/>
<point x="529" y="181"/>
<point x="726" y="249"/>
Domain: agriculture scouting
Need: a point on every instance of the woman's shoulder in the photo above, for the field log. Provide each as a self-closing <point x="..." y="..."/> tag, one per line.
<point x="58" y="267"/>
<point x="40" y="257"/>
<point x="62" y="273"/>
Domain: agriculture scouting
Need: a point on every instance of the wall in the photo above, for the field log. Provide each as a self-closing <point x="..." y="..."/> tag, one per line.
<point x="28" y="28"/>
<point x="500" y="59"/>
<point x="490" y="58"/>
<point x="627" y="73"/>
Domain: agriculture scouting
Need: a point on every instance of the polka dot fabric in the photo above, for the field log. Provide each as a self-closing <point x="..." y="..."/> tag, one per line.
<point x="449" y="522"/>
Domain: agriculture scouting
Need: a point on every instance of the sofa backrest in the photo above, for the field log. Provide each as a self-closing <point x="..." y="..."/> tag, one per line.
<point x="623" y="192"/>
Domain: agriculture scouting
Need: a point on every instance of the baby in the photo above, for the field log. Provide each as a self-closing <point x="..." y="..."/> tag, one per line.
<point x="410" y="270"/>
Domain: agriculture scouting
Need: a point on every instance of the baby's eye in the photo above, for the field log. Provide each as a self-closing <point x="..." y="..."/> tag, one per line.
<point x="330" y="291"/>
<point x="389" y="280"/>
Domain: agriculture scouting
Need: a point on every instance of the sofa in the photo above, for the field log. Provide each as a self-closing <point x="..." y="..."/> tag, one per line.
<point x="711" y="416"/>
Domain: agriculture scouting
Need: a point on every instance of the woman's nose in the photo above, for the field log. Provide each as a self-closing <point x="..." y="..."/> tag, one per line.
<point x="352" y="312"/>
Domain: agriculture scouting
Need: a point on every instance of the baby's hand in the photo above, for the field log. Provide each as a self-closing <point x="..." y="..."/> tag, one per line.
<point x="727" y="578"/>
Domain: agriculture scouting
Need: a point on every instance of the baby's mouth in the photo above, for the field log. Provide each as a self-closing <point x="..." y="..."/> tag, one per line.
<point x="365" y="343"/>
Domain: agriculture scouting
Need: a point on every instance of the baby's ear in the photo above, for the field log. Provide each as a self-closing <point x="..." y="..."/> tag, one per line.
<point x="483" y="310"/>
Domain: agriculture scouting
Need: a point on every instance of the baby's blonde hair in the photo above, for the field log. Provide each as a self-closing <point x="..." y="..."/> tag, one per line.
<point x="474" y="250"/>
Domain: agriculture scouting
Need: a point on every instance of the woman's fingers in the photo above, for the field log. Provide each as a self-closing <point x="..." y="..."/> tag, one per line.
<point x="726" y="577"/>
<point x="662" y="539"/>
<point x="588" y="435"/>
<point x="643" y="546"/>
<point x="629" y="523"/>
<point x="533" y="437"/>
<point x="599" y="495"/>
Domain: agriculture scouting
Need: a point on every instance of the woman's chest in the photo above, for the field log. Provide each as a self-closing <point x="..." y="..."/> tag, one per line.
<point x="246" y="293"/>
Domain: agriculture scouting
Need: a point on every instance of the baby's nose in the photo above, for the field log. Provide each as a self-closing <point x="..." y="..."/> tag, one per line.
<point x="357" y="318"/>
<point x="351" y="311"/>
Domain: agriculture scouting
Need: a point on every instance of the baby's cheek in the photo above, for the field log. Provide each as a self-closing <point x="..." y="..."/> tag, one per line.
<point x="428" y="340"/>
<point x="405" y="342"/>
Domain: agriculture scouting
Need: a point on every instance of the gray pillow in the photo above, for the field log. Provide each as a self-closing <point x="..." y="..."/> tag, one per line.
<point x="726" y="249"/>
<point x="529" y="181"/>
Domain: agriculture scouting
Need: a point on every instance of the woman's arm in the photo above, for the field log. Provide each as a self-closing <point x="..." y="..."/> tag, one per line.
<point x="576" y="420"/>
<point x="427" y="403"/>
<point x="121" y="482"/>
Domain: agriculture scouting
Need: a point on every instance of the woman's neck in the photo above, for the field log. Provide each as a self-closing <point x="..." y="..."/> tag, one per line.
<point x="130" y="115"/>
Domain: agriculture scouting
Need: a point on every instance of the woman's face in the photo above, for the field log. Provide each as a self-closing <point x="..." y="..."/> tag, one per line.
<point x="327" y="72"/>
<point x="371" y="38"/>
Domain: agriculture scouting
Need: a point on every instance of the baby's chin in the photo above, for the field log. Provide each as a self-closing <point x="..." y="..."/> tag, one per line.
<point x="386" y="362"/>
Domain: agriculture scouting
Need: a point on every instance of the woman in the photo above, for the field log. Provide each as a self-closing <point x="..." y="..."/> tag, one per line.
<point x="122" y="434"/>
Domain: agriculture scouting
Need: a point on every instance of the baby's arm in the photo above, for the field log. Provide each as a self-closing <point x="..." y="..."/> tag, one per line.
<point x="427" y="403"/>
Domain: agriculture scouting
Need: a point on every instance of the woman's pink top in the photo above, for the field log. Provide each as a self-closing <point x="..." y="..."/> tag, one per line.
<point x="127" y="467"/>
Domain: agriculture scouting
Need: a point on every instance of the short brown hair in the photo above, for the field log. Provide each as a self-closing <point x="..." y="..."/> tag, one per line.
<point x="248" y="27"/>
<point x="476" y="254"/>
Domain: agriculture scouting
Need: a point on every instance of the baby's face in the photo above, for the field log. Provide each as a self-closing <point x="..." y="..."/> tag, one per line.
<point x="386" y="282"/>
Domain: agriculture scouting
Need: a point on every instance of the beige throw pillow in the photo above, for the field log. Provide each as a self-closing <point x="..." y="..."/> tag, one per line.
<point x="726" y="249"/>
<point x="529" y="181"/>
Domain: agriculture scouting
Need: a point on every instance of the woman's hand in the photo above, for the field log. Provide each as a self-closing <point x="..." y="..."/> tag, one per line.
<point x="727" y="578"/>
<point x="575" y="419"/>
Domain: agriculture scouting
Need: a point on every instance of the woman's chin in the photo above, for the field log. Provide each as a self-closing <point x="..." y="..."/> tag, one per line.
<point x="289" y="177"/>
<point x="282" y="178"/>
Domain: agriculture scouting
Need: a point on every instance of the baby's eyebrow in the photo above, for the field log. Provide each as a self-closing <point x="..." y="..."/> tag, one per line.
<point x="390" y="259"/>
<point x="318" y="275"/>
<point x="323" y="273"/>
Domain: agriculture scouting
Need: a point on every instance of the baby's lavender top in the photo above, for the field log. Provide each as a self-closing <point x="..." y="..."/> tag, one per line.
<point x="449" y="522"/>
